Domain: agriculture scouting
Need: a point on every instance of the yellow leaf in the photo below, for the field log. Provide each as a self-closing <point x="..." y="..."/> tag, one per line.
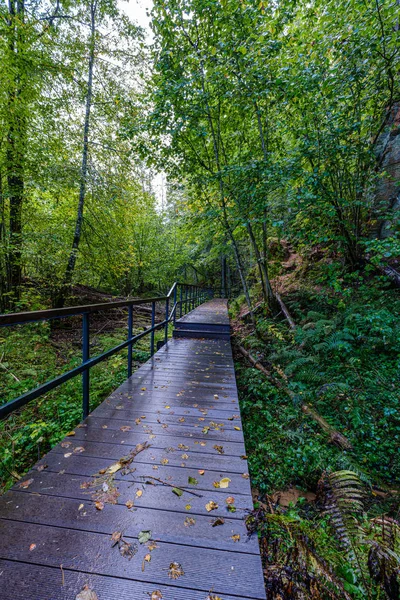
<point x="224" y="483"/>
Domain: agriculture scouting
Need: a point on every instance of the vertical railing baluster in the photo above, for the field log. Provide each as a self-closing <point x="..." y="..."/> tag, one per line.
<point x="180" y="301"/>
<point x="130" y="332"/>
<point x="175" y="307"/>
<point x="85" y="357"/>
<point x="166" y="320"/>
<point x="153" y="322"/>
<point x="186" y="299"/>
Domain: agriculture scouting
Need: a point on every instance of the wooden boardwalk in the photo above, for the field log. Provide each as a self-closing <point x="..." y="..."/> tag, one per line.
<point x="94" y="513"/>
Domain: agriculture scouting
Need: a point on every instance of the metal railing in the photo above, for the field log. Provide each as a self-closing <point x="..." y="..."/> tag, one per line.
<point x="189" y="295"/>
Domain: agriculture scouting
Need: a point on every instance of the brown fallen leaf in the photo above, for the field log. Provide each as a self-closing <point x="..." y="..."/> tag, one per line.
<point x="78" y="450"/>
<point x="139" y="493"/>
<point x="32" y="547"/>
<point x="129" y="503"/>
<point x="146" y="559"/>
<point x="213" y="597"/>
<point x="127" y="550"/>
<point x="211" y="506"/>
<point x="156" y="595"/>
<point x="236" y="537"/>
<point x="189" y="522"/>
<point x="201" y="471"/>
<point x="65" y="444"/>
<point x="218" y="521"/>
<point x="175" y="570"/>
<point x="125" y="428"/>
<point x="164" y="461"/>
<point x="70" y="433"/>
<point x="219" y="449"/>
<point x="87" y="594"/>
<point x="230" y="500"/>
<point x="115" y="538"/>
<point x="26" y="484"/>
<point x="81" y="506"/>
<point x="99" y="505"/>
<point x="245" y="475"/>
<point x="42" y="467"/>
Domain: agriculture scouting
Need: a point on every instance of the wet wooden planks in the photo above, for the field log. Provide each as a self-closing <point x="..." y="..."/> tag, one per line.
<point x="183" y="403"/>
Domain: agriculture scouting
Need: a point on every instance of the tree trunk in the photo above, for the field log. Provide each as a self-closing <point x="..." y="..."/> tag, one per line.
<point x="84" y="164"/>
<point x="15" y="150"/>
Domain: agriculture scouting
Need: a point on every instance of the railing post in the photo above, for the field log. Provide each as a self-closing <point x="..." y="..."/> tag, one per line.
<point x="186" y="299"/>
<point x="153" y="322"/>
<point x="193" y="297"/>
<point x="130" y="331"/>
<point x="175" y="307"/>
<point x="166" y="320"/>
<point x="180" y="301"/>
<point x="85" y="357"/>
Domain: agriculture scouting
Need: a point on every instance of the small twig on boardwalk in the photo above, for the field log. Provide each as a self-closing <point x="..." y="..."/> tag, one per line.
<point x="171" y="485"/>
<point x="62" y="576"/>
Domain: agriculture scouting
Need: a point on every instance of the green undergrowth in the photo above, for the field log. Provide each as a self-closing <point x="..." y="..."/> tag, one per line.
<point x="342" y="360"/>
<point x="31" y="355"/>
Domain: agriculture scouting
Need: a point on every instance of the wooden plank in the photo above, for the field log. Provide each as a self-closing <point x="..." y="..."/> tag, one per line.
<point x="36" y="582"/>
<point x="80" y="464"/>
<point x="153" y="496"/>
<point x="173" y="527"/>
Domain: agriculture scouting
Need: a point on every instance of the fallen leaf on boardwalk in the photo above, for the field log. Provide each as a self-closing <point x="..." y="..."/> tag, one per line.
<point x="157" y="595"/>
<point x="205" y="429"/>
<point x="143" y="389"/>
<point x="115" y="538"/>
<point x="129" y="503"/>
<point x="79" y="450"/>
<point x="167" y="407"/>
<point x="244" y="457"/>
<point x="42" y="467"/>
<point x="138" y="421"/>
<point x="201" y="471"/>
<point x="152" y="545"/>
<point x="65" y="444"/>
<point x="87" y="594"/>
<point x="203" y="444"/>
<point x="70" y="433"/>
<point x="219" y="449"/>
<point x="181" y="420"/>
<point x="99" y="505"/>
<point x="188" y="506"/>
<point x="104" y="426"/>
<point x="175" y="570"/>
<point x="26" y="484"/>
<point x="80" y="506"/>
<point x="32" y="547"/>
<point x="245" y="475"/>
<point x="185" y="456"/>
<point x="177" y="491"/>
<point x="218" y="521"/>
<point x="224" y="483"/>
<point x="146" y="559"/>
<point x="183" y="447"/>
<point x="216" y="484"/>
<point x="144" y="536"/>
<point x="216" y="396"/>
<point x="139" y="493"/>
<point x="231" y="508"/>
<point x="127" y="550"/>
<point x="192" y="481"/>
<point x="230" y="500"/>
<point x="125" y="428"/>
<point x="155" y="467"/>
<point x="237" y="428"/>
<point x="68" y="454"/>
<point x="235" y="537"/>
<point x="189" y="522"/>
<point x="211" y="505"/>
<point x="164" y="461"/>
<point x="213" y="597"/>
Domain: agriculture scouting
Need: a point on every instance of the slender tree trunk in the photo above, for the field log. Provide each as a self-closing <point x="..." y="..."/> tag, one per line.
<point x="15" y="149"/>
<point x="84" y="164"/>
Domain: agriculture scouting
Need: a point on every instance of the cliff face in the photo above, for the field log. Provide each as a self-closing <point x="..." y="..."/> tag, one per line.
<point x="387" y="193"/>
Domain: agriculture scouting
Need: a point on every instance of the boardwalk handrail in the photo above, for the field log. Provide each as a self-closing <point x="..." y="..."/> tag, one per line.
<point x="190" y="296"/>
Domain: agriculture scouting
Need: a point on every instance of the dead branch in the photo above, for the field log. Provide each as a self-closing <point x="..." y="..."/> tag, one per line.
<point x="285" y="311"/>
<point x="334" y="436"/>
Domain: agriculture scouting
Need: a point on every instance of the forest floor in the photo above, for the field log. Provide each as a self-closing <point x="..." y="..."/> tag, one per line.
<point x="34" y="353"/>
<point x="324" y="508"/>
